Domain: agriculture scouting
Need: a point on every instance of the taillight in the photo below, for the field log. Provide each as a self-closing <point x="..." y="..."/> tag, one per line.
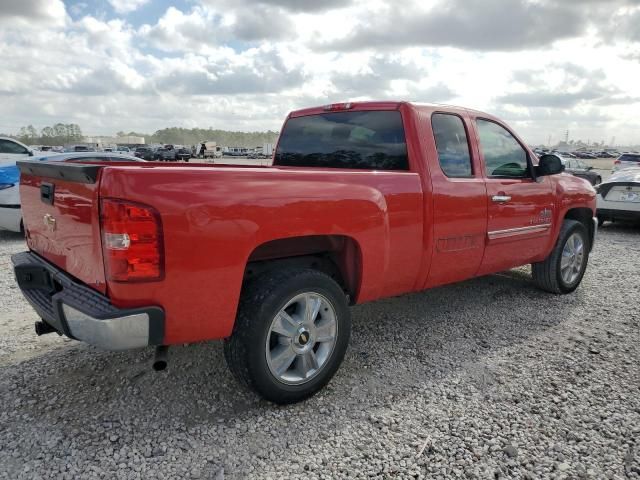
<point x="131" y="241"/>
<point x="617" y="162"/>
<point x="336" y="107"/>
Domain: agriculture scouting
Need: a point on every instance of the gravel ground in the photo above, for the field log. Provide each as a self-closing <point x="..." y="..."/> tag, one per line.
<point x="485" y="379"/>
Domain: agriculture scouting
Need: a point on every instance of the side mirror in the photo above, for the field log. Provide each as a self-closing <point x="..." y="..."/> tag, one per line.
<point x="549" y="165"/>
<point x="30" y="153"/>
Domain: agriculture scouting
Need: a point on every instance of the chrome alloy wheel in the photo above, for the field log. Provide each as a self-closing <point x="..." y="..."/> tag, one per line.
<point x="572" y="258"/>
<point x="301" y="338"/>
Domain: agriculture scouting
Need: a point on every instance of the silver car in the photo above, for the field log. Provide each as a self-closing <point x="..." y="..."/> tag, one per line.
<point x="619" y="197"/>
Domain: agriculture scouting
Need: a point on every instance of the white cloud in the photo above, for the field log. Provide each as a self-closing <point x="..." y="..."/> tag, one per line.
<point x="240" y="64"/>
<point x="127" y="6"/>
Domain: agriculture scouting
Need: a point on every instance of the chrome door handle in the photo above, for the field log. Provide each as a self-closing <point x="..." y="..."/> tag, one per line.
<point x="501" y="198"/>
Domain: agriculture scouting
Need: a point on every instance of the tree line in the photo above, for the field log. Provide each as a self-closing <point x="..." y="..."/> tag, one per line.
<point x="61" y="134"/>
<point x="58" y="134"/>
<point x="194" y="136"/>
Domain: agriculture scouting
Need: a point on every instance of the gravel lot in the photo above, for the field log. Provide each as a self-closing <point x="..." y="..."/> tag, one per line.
<point x="485" y="379"/>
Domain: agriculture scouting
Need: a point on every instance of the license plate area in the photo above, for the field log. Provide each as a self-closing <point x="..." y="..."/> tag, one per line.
<point x="31" y="277"/>
<point x="630" y="197"/>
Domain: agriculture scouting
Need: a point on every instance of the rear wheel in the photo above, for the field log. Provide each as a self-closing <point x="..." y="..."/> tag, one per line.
<point x="290" y="335"/>
<point x="563" y="269"/>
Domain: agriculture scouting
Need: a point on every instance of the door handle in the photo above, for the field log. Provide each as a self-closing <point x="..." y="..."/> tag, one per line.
<point x="500" y="198"/>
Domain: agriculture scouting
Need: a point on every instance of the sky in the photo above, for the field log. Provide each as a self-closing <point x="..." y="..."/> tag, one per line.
<point x="544" y="66"/>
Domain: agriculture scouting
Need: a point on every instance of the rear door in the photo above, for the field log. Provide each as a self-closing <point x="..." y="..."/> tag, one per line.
<point x="459" y="202"/>
<point x="520" y="209"/>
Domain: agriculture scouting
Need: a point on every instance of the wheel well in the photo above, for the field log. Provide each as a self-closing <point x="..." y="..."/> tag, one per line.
<point x="336" y="255"/>
<point x="584" y="216"/>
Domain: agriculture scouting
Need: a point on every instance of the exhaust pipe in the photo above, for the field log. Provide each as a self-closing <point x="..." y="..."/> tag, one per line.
<point x="42" y="328"/>
<point x="161" y="359"/>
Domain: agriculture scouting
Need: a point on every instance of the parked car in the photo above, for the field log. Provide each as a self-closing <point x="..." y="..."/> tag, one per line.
<point x="626" y="160"/>
<point x="146" y="153"/>
<point x="10" y="211"/>
<point x="565" y="154"/>
<point x="619" y="197"/>
<point x="123" y="150"/>
<point x="578" y="168"/>
<point x="360" y="204"/>
<point x="11" y="151"/>
<point x="165" y="154"/>
<point x="183" y="154"/>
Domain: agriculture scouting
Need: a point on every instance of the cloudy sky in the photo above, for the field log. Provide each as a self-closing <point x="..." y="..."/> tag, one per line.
<point x="546" y="66"/>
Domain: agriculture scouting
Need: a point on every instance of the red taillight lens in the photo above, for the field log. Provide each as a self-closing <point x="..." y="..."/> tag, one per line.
<point x="131" y="241"/>
<point x="617" y="162"/>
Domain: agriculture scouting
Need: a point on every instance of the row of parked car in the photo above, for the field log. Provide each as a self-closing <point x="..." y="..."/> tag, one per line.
<point x="165" y="153"/>
<point x="583" y="155"/>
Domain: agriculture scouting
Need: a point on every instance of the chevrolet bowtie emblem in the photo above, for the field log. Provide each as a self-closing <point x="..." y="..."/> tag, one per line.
<point x="49" y="222"/>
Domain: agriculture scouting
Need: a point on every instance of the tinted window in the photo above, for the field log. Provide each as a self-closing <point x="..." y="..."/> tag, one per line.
<point x="360" y="140"/>
<point x="452" y="145"/>
<point x="7" y="146"/>
<point x="503" y="155"/>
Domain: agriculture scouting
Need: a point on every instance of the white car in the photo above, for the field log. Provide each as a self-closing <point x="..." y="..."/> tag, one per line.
<point x="11" y="151"/>
<point x="626" y="160"/>
<point x="619" y="197"/>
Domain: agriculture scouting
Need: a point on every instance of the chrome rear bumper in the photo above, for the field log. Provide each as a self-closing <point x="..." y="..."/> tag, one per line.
<point x="81" y="313"/>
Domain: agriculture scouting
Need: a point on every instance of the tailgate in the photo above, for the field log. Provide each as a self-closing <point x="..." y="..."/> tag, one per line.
<point x="60" y="209"/>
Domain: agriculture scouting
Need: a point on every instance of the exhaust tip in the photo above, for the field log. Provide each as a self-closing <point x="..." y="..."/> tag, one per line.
<point x="159" y="365"/>
<point x="161" y="360"/>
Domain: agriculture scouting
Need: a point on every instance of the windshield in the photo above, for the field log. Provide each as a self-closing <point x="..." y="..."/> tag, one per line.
<point x="356" y="140"/>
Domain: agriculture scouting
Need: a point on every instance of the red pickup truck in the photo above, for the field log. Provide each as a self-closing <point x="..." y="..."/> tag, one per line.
<point x="363" y="201"/>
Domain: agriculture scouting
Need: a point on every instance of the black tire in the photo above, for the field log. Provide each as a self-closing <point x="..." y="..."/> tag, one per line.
<point x="601" y="221"/>
<point x="598" y="181"/>
<point x="547" y="274"/>
<point x="262" y="298"/>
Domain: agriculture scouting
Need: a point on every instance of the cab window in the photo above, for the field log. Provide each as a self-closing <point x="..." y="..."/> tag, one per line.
<point x="452" y="145"/>
<point x="503" y="155"/>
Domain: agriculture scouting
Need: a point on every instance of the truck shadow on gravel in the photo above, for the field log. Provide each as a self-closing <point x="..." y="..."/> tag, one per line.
<point x="398" y="345"/>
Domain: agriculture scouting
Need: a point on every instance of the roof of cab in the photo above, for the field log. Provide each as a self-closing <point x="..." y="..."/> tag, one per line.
<point x="387" y="105"/>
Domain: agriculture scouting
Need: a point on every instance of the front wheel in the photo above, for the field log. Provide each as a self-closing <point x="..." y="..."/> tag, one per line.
<point x="563" y="269"/>
<point x="291" y="334"/>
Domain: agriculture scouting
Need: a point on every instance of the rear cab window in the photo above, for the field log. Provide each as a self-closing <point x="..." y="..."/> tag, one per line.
<point x="452" y="145"/>
<point x="361" y="140"/>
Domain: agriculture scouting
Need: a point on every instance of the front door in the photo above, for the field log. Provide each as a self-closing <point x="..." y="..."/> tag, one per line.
<point x="520" y="208"/>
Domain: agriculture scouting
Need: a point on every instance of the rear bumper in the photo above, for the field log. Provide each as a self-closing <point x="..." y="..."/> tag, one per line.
<point x="615" y="214"/>
<point x="80" y="312"/>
